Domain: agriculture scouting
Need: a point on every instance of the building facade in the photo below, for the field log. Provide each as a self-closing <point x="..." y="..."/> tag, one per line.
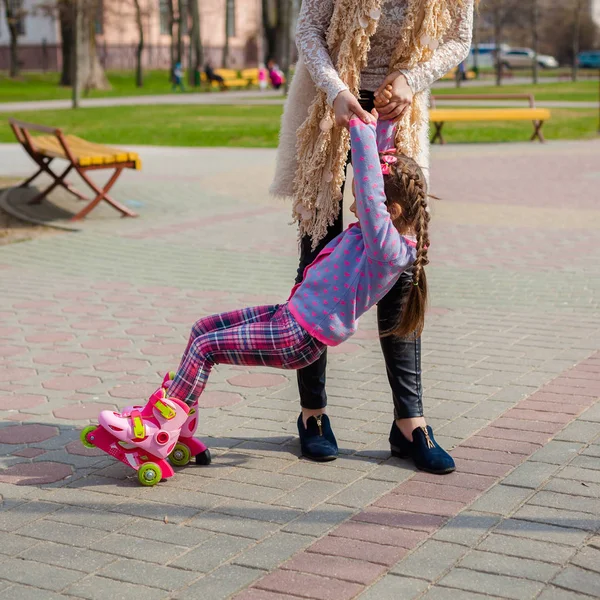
<point x="595" y="7"/>
<point x="117" y="33"/>
<point x="39" y="35"/>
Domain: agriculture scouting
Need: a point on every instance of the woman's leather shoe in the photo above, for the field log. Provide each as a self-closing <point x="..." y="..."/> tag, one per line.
<point x="316" y="439"/>
<point x="426" y="453"/>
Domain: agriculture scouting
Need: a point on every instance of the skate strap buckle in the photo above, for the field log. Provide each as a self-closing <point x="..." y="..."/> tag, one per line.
<point x="139" y="429"/>
<point x="165" y="410"/>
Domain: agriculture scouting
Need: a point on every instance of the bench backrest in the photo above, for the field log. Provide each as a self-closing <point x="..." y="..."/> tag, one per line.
<point x="528" y="97"/>
<point x="21" y="128"/>
<point x="22" y="131"/>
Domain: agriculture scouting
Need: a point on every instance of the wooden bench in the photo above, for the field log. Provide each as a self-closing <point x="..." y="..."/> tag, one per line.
<point x="231" y="78"/>
<point x="451" y="75"/>
<point x="83" y="156"/>
<point x="440" y="116"/>
<point x="250" y="75"/>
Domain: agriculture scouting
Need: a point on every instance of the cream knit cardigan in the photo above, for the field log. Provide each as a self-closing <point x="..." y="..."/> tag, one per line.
<point x="312" y="152"/>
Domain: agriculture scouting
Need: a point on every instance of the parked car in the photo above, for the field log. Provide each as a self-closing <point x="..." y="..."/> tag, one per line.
<point x="490" y="48"/>
<point x="589" y="59"/>
<point x="485" y="55"/>
<point x="518" y="58"/>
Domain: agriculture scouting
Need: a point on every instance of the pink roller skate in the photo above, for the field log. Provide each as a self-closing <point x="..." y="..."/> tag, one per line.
<point x="142" y="438"/>
<point x="187" y="446"/>
<point x="166" y="382"/>
<point x="151" y="467"/>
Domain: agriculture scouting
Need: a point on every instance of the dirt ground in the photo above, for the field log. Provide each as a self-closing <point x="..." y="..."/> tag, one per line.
<point x="14" y="230"/>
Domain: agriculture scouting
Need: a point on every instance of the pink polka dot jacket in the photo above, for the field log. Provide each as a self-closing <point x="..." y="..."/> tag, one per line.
<point x="357" y="268"/>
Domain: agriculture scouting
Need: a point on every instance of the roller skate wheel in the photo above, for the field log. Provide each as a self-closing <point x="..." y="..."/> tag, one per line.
<point x="84" y="436"/>
<point x="149" y="474"/>
<point x="204" y="458"/>
<point x="180" y="456"/>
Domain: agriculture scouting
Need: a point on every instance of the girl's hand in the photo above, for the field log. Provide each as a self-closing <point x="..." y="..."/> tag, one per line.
<point x="345" y="105"/>
<point x="384" y="97"/>
<point x="401" y="97"/>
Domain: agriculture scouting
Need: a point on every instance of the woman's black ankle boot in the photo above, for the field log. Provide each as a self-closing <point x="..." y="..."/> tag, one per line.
<point x="317" y="440"/>
<point x="426" y="453"/>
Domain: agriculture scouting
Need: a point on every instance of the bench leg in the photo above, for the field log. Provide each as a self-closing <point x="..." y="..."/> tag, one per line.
<point x="537" y="131"/>
<point x="58" y="180"/>
<point x="75" y="192"/>
<point x="438" y="133"/>
<point x="43" y="164"/>
<point x="102" y="194"/>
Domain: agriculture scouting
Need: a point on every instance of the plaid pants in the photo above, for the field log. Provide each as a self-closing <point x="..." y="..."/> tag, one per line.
<point x="260" y="336"/>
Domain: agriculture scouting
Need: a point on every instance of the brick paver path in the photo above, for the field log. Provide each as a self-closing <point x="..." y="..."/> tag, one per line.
<point x="91" y="320"/>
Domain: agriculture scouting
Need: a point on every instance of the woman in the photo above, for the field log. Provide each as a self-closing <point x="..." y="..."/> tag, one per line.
<point x="354" y="55"/>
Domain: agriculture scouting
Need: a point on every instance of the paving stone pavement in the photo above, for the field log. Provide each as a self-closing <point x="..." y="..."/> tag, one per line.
<point x="511" y="363"/>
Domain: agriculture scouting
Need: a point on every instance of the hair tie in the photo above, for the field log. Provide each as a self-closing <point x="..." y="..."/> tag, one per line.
<point x="387" y="158"/>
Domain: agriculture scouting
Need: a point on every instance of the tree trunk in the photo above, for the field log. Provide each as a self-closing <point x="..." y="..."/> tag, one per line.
<point x="75" y="58"/>
<point x="281" y="30"/>
<point x="229" y="8"/>
<point x="196" y="50"/>
<point x="191" y="76"/>
<point x="284" y="31"/>
<point x="291" y="14"/>
<point x="535" y="32"/>
<point x="476" y="44"/>
<point x="180" y="22"/>
<point x="271" y="13"/>
<point x="90" y="73"/>
<point x="171" y="9"/>
<point x="497" y="38"/>
<point x="576" y="31"/>
<point x="14" y="52"/>
<point x="12" y="20"/>
<point x="65" y="16"/>
<point x="270" y="43"/>
<point x="139" y="76"/>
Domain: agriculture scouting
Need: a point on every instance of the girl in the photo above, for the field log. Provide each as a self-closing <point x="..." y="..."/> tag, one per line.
<point x="275" y="74"/>
<point x="350" y="51"/>
<point x="348" y="277"/>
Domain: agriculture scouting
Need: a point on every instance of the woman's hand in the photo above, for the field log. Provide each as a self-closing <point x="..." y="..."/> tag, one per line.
<point x="393" y="97"/>
<point x="345" y="105"/>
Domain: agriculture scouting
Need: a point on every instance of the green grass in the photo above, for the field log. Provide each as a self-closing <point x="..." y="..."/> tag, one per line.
<point x="584" y="91"/>
<point x="258" y="126"/>
<point x="44" y="86"/>
<point x="241" y="126"/>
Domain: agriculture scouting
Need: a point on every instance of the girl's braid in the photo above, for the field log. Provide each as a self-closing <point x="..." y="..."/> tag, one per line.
<point x="418" y="214"/>
<point x="408" y="188"/>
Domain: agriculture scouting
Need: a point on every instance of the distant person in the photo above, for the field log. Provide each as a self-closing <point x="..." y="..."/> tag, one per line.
<point x="262" y="77"/>
<point x="212" y="76"/>
<point x="275" y="74"/>
<point x="178" y="77"/>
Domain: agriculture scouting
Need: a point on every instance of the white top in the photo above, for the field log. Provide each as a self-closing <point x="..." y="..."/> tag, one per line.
<point x="313" y="23"/>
